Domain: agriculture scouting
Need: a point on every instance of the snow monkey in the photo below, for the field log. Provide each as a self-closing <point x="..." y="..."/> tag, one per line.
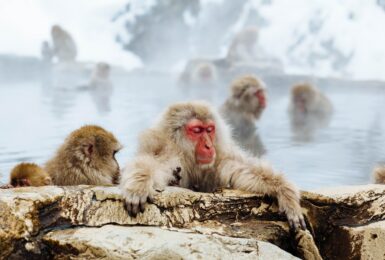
<point x="309" y="110"/>
<point x="192" y="136"/>
<point x="29" y="174"/>
<point x="379" y="174"/>
<point x="64" y="46"/>
<point x="243" y="108"/>
<point x="86" y="157"/>
<point x="199" y="71"/>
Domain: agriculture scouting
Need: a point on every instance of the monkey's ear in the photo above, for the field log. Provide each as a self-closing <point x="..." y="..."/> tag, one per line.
<point x="88" y="150"/>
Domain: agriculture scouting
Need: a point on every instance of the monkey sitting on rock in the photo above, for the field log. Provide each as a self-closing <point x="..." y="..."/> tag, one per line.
<point x="193" y="136"/>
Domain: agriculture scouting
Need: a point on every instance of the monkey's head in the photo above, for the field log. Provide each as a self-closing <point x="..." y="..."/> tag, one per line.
<point x="92" y="147"/>
<point x="249" y="94"/>
<point x="204" y="72"/>
<point x="29" y="174"/>
<point x="102" y="70"/>
<point x="56" y="31"/>
<point x="196" y="129"/>
<point x="303" y="96"/>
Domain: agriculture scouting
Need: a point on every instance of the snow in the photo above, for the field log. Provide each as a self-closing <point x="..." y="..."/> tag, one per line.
<point x="321" y="37"/>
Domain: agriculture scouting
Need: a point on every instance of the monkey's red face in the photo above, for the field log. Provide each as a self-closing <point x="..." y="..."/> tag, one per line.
<point x="260" y="94"/>
<point x="202" y="134"/>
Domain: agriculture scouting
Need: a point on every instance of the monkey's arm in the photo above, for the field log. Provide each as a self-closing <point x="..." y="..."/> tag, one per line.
<point x="245" y="175"/>
<point x="144" y="176"/>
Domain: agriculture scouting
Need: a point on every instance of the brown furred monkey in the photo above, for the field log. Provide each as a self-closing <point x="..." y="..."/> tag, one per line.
<point x="29" y="174"/>
<point x="192" y="136"/>
<point x="86" y="157"/>
<point x="379" y="174"/>
<point x="309" y="110"/>
<point x="64" y="47"/>
<point x="243" y="108"/>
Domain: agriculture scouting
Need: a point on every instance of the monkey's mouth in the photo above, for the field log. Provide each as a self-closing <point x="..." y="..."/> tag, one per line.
<point x="205" y="160"/>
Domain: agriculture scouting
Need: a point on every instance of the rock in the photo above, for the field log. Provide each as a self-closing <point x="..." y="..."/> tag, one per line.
<point x="81" y="218"/>
<point x="118" y="242"/>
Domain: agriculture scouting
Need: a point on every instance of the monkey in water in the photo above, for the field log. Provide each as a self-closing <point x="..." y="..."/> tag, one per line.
<point x="100" y="87"/>
<point x="199" y="72"/>
<point x="87" y="157"/>
<point x="379" y="174"/>
<point x="64" y="47"/>
<point x="242" y="109"/>
<point x="193" y="136"/>
<point x="309" y="109"/>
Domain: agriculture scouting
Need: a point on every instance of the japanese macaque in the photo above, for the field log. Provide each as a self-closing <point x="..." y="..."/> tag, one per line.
<point x="101" y="87"/>
<point x="64" y="46"/>
<point x="309" y="110"/>
<point x="243" y="47"/>
<point x="242" y="109"/>
<point x="193" y="136"/>
<point x="29" y="174"/>
<point x="86" y="157"/>
<point x="101" y="76"/>
<point x="199" y="72"/>
<point x="379" y="174"/>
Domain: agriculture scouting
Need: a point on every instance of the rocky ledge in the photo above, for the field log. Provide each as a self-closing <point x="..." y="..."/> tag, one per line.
<point x="87" y="222"/>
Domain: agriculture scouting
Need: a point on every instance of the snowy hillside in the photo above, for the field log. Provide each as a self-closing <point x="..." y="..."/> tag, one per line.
<point x="320" y="37"/>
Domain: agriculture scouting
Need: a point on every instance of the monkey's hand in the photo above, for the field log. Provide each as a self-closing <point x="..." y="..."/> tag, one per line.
<point x="288" y="200"/>
<point x="136" y="195"/>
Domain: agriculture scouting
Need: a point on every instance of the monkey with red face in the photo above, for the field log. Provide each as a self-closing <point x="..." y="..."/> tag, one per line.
<point x="247" y="101"/>
<point x="193" y="137"/>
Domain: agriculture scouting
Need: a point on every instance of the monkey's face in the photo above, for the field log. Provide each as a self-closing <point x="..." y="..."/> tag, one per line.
<point x="254" y="98"/>
<point x="302" y="100"/>
<point x="202" y="136"/>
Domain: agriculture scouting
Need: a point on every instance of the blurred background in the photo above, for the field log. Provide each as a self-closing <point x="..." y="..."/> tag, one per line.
<point x="154" y="51"/>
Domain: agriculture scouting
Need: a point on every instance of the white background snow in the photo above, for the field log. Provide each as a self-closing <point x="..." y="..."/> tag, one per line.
<point x="296" y="32"/>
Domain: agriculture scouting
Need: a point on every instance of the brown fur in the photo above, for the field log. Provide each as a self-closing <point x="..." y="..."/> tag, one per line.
<point x="31" y="172"/>
<point x="242" y="103"/>
<point x="86" y="157"/>
<point x="165" y="143"/>
<point x="64" y="46"/>
<point x="316" y="113"/>
<point x="379" y="175"/>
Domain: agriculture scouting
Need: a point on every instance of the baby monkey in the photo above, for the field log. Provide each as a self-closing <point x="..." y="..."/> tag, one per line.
<point x="28" y="174"/>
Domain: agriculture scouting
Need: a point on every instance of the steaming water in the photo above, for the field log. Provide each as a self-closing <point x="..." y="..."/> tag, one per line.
<point x="35" y="118"/>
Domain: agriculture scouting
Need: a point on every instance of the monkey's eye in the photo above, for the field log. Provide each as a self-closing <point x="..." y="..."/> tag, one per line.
<point x="197" y="130"/>
<point x="210" y="129"/>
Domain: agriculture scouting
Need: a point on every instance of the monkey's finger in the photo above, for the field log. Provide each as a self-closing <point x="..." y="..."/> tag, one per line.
<point x="303" y="223"/>
<point x="142" y="203"/>
<point x="127" y="205"/>
<point x="150" y="198"/>
<point x="135" y="205"/>
<point x="291" y="224"/>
